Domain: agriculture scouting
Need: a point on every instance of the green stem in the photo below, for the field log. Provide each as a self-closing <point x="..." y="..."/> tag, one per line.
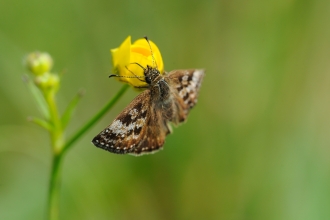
<point x="59" y="148"/>
<point x="54" y="188"/>
<point x="57" y="142"/>
<point x="93" y="120"/>
<point x="57" y="136"/>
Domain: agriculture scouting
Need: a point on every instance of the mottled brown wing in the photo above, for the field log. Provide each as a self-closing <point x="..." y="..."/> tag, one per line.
<point x="129" y="129"/>
<point x="157" y="128"/>
<point x="185" y="85"/>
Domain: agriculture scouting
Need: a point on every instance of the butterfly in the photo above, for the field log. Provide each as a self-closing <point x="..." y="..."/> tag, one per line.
<point x="141" y="128"/>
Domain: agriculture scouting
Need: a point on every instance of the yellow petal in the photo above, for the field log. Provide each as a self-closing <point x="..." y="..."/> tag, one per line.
<point x="128" y="58"/>
<point x="121" y="55"/>
<point x="136" y="70"/>
<point x="143" y="46"/>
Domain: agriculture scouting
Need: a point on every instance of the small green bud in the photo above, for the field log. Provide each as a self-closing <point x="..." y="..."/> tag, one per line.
<point x="47" y="81"/>
<point x="39" y="63"/>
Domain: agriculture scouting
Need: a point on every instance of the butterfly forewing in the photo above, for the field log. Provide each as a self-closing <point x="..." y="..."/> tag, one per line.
<point x="125" y="133"/>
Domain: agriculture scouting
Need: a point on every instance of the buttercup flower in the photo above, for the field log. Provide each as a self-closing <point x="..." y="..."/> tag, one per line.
<point x="127" y="54"/>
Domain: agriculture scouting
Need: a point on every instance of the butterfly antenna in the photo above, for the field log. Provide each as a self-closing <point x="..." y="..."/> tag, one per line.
<point x="135" y="76"/>
<point x="138" y="77"/>
<point x="152" y="54"/>
<point x="114" y="75"/>
<point x="138" y="65"/>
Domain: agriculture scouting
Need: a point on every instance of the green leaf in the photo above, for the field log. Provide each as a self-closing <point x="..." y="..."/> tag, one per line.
<point x="95" y="118"/>
<point x="41" y="102"/>
<point x="70" y="109"/>
<point x="42" y="123"/>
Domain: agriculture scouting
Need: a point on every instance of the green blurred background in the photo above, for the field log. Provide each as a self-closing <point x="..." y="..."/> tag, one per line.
<point x="256" y="146"/>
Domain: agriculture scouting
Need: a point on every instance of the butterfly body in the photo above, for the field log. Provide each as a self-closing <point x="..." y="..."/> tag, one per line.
<point x="142" y="126"/>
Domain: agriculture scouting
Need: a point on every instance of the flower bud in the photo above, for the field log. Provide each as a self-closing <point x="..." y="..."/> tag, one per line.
<point x="47" y="82"/>
<point x="39" y="63"/>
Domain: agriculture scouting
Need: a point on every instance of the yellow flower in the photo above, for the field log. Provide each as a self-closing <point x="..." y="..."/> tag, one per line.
<point x="139" y="52"/>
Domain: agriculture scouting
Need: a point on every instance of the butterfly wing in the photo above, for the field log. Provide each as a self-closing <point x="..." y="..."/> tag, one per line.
<point x="157" y="128"/>
<point x="185" y="85"/>
<point x="137" y="130"/>
<point x="129" y="128"/>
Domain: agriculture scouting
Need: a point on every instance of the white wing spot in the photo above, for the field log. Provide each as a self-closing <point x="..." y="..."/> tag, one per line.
<point x="133" y="113"/>
<point x="140" y="122"/>
<point x="182" y="93"/>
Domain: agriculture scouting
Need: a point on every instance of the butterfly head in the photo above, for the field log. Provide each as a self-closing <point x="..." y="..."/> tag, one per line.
<point x="151" y="74"/>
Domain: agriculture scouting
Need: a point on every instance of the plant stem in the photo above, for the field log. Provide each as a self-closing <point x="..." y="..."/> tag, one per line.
<point x="60" y="147"/>
<point x="57" y="142"/>
<point x="93" y="120"/>
<point x="54" y="188"/>
<point x="57" y="133"/>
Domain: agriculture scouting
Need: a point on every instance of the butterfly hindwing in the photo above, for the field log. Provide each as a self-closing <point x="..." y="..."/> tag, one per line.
<point x="185" y="86"/>
<point x="157" y="128"/>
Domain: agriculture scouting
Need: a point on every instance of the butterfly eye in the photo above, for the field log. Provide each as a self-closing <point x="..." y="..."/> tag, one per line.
<point x="148" y="80"/>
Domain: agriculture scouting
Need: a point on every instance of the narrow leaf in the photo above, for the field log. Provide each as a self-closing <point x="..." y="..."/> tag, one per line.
<point x="95" y="118"/>
<point x="42" y="123"/>
<point x="41" y="103"/>
<point x="71" y="108"/>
